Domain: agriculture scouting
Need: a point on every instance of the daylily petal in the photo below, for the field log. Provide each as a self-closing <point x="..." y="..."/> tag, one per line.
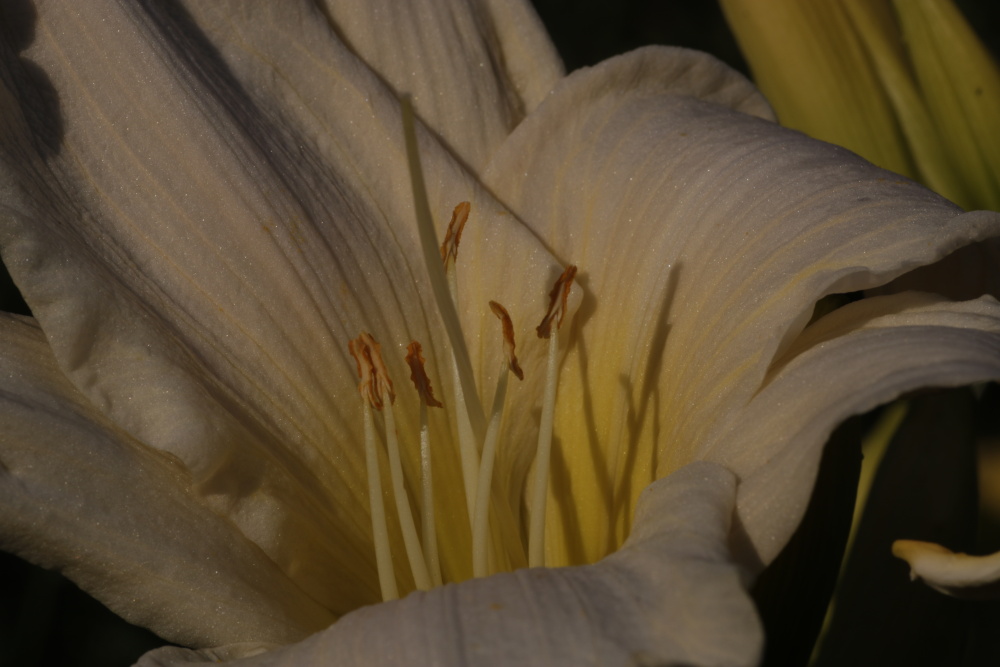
<point x="474" y="68"/>
<point x="720" y="230"/>
<point x="671" y="595"/>
<point x="814" y="387"/>
<point x="951" y="573"/>
<point x="62" y="464"/>
<point x="199" y="237"/>
<point x="175" y="655"/>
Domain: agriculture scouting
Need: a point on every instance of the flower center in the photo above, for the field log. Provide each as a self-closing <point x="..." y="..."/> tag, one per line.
<point x="477" y="436"/>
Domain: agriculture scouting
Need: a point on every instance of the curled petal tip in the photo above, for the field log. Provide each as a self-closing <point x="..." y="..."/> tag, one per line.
<point x="955" y="574"/>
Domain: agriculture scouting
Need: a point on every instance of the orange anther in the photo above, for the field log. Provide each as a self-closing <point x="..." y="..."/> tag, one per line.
<point x="375" y="384"/>
<point x="449" y="247"/>
<point x="508" y="338"/>
<point x="557" y="302"/>
<point x="419" y="376"/>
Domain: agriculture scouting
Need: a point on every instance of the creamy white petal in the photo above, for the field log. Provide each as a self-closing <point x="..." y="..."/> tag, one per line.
<point x="175" y="655"/>
<point x="474" y="67"/>
<point x="858" y="357"/>
<point x="951" y="573"/>
<point x="200" y="226"/>
<point x="80" y="496"/>
<point x="671" y="595"/>
<point x="704" y="236"/>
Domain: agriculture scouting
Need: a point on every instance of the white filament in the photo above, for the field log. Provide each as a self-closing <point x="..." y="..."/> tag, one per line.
<point x="543" y="453"/>
<point x="429" y="528"/>
<point x="481" y="518"/>
<point x="380" y="534"/>
<point x="413" y="551"/>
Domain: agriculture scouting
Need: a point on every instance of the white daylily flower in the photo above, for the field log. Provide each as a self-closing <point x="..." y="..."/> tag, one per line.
<point x="203" y="203"/>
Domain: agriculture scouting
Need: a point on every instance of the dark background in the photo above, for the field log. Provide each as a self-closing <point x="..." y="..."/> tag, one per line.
<point x="46" y="620"/>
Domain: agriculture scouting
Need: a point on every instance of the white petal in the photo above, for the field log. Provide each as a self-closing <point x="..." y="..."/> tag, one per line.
<point x="199" y="237"/>
<point x="951" y="573"/>
<point x="853" y="360"/>
<point x="175" y="655"/>
<point x="672" y="595"/>
<point x="119" y="519"/>
<point x="704" y="237"/>
<point x="474" y="68"/>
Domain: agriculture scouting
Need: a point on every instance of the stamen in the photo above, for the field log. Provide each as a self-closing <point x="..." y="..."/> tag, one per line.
<point x="361" y="351"/>
<point x="429" y="533"/>
<point x="508" y="338"/>
<point x="376" y="387"/>
<point x="558" y="299"/>
<point x="449" y="247"/>
<point x="375" y="384"/>
<point x="422" y="383"/>
<point x="480" y="522"/>
<point x="467" y="444"/>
